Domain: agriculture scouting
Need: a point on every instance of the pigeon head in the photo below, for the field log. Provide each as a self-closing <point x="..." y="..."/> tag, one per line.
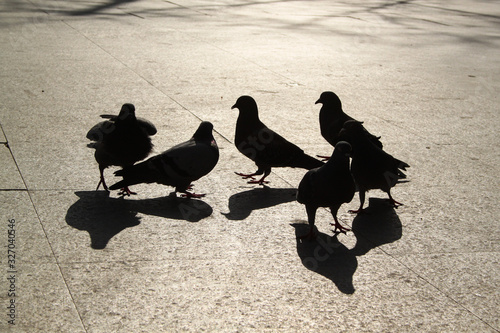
<point x="342" y="152"/>
<point x="204" y="131"/>
<point x="351" y="130"/>
<point x="245" y="104"/>
<point x="127" y="112"/>
<point x="353" y="126"/>
<point x="329" y="98"/>
<point x="344" y="148"/>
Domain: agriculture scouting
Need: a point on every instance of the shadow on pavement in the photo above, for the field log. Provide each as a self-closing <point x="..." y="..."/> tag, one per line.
<point x="377" y="225"/>
<point x="242" y="204"/>
<point x="328" y="257"/>
<point x="104" y="217"/>
<point x="325" y="255"/>
<point x="100" y="7"/>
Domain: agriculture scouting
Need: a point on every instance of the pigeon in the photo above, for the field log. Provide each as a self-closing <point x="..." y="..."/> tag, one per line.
<point x="332" y="118"/>
<point x="177" y="166"/>
<point x="371" y="167"/>
<point x="264" y="146"/>
<point x="122" y="140"/>
<point x="330" y="185"/>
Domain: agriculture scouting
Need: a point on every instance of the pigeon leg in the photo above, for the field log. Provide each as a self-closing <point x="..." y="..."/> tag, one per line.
<point x="362" y="201"/>
<point x="324" y="158"/>
<point x="251" y="176"/>
<point x="186" y="194"/>
<point x="311" y="216"/>
<point x="246" y="176"/>
<point x="101" y="181"/>
<point x="261" y="181"/>
<point x="189" y="195"/>
<point x="125" y="191"/>
<point x="338" y="227"/>
<point x="395" y="203"/>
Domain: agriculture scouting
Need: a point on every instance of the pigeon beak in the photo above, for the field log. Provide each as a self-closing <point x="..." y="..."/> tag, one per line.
<point x="318" y="101"/>
<point x="234" y="106"/>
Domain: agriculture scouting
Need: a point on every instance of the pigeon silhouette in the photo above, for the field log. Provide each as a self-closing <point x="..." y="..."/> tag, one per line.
<point x="177" y="166"/>
<point x="122" y="140"/>
<point x="332" y="118"/>
<point x="264" y="146"/>
<point x="330" y="185"/>
<point x="371" y="167"/>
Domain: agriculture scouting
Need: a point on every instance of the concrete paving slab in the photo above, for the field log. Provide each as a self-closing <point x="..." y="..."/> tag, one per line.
<point x="470" y="280"/>
<point x="42" y="301"/>
<point x="259" y="296"/>
<point x="30" y="242"/>
<point x="35" y="295"/>
<point x="10" y="177"/>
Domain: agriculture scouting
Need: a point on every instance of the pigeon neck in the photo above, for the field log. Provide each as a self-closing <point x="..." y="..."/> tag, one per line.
<point x="249" y="116"/>
<point x="128" y="119"/>
<point x="337" y="157"/>
<point x="202" y="135"/>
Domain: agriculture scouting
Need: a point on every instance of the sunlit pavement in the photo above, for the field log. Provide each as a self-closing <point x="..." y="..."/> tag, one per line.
<point x="424" y="75"/>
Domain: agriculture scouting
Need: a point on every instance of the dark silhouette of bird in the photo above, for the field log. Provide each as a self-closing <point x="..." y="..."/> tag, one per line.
<point x="178" y="166"/>
<point x="330" y="185"/>
<point x="121" y="141"/>
<point x="332" y="118"/>
<point x="371" y="167"/>
<point x="264" y="146"/>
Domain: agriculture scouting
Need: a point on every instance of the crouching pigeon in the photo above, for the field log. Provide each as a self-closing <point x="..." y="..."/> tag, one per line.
<point x="177" y="166"/>
<point x="122" y="140"/>
<point x="371" y="167"/>
<point x="332" y="119"/>
<point x="264" y="146"/>
<point x="328" y="186"/>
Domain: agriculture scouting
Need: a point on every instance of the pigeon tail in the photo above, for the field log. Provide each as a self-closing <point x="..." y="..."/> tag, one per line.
<point x="135" y="174"/>
<point x="306" y="162"/>
<point x="401" y="166"/>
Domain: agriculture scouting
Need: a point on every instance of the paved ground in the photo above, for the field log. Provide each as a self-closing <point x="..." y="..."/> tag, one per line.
<point x="422" y="74"/>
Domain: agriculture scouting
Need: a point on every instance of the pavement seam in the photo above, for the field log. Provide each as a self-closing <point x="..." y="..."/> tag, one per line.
<point x="144" y="79"/>
<point x="26" y="189"/>
<point x="429" y="282"/>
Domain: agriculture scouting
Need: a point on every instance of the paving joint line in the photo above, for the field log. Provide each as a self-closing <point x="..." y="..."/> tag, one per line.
<point x="26" y="189"/>
<point x="143" y="78"/>
<point x="437" y="288"/>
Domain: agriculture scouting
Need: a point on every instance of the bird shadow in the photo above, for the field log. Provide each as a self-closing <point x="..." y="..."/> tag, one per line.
<point x="104" y="217"/>
<point x="377" y="225"/>
<point x="328" y="257"/>
<point x="243" y="203"/>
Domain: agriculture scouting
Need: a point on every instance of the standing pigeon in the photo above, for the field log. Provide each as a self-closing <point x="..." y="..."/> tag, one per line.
<point x="177" y="166"/>
<point x="264" y="146"/>
<point x="372" y="168"/>
<point x="122" y="140"/>
<point x="332" y="118"/>
<point x="328" y="186"/>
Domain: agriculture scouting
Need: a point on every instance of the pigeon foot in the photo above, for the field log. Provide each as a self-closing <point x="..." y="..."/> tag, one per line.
<point x="260" y="182"/>
<point x="190" y="195"/>
<point x="323" y="157"/>
<point x="125" y="191"/>
<point x="339" y="229"/>
<point x="246" y="176"/>
<point x="395" y="203"/>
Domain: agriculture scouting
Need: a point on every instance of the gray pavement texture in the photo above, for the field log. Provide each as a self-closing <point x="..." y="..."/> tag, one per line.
<point x="425" y="75"/>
